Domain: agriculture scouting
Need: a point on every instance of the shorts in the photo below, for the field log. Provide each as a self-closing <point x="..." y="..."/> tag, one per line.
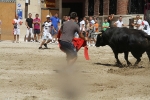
<point x="29" y="31"/>
<point x="47" y="36"/>
<point x="91" y="34"/>
<point x="69" y="49"/>
<point x="54" y="32"/>
<point x="36" y="31"/>
<point x="16" y="31"/>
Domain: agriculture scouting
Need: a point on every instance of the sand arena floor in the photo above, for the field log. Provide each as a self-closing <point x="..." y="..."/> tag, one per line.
<point x="27" y="73"/>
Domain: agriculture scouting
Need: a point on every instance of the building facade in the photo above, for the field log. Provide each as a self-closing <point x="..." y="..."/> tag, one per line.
<point x="101" y="7"/>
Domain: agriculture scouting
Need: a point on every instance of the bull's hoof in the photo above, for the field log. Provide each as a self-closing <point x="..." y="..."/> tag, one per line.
<point x="119" y="65"/>
<point x="129" y="64"/>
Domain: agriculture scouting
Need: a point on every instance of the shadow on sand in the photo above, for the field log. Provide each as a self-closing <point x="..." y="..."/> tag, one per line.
<point x="112" y="65"/>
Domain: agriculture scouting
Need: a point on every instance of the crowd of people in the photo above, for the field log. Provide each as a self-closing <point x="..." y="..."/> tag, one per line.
<point x="33" y="26"/>
<point x="89" y="26"/>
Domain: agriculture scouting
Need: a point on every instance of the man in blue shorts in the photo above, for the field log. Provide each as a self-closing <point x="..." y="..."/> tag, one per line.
<point x="68" y="29"/>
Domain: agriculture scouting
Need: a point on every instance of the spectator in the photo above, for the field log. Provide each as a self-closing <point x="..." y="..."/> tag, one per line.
<point x="146" y="27"/>
<point x="82" y="24"/>
<point x="105" y="25"/>
<point x="110" y="18"/>
<point x="87" y="27"/>
<point x="119" y="23"/>
<point x="16" y="22"/>
<point x="96" y="26"/>
<point x="55" y="21"/>
<point x="46" y="32"/>
<point x="65" y="18"/>
<point x="36" y="23"/>
<point x="77" y="20"/>
<point x="91" y="31"/>
<point x="138" y="23"/>
<point x="28" y="23"/>
<point x="0" y="29"/>
<point x="68" y="18"/>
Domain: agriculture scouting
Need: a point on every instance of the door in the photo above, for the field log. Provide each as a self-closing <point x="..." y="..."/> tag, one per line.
<point x="7" y="14"/>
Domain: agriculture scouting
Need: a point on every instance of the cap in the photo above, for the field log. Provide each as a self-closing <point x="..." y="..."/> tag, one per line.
<point x="48" y="16"/>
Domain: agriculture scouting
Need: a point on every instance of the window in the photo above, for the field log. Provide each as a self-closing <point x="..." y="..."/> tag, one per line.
<point x="90" y="7"/>
<point x="101" y="7"/>
<point x="112" y="7"/>
<point x="136" y="6"/>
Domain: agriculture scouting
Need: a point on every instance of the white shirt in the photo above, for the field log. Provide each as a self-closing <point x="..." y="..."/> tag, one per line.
<point x="17" y="21"/>
<point x="82" y="23"/>
<point x="146" y="27"/>
<point x="145" y="24"/>
<point x="140" y="23"/>
<point x="92" y="22"/>
<point x="119" y="24"/>
<point x="47" y="26"/>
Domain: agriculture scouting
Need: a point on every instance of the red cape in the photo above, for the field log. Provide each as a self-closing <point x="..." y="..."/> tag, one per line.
<point x="78" y="43"/>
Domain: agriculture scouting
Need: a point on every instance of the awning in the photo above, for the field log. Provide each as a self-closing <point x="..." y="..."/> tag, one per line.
<point x="50" y="3"/>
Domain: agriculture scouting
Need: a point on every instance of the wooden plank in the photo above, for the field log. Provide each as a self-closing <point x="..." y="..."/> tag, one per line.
<point x="44" y="12"/>
<point x="6" y="16"/>
<point x="53" y="12"/>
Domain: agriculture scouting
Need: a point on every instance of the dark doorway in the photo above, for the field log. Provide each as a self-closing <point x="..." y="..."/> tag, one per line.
<point x="90" y="7"/>
<point x="136" y="6"/>
<point x="74" y="7"/>
<point x="101" y="7"/>
<point x="112" y="7"/>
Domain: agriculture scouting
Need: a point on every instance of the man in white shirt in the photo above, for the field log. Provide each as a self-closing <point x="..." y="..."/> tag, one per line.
<point x="46" y="35"/>
<point x="119" y="23"/>
<point x="138" y="23"/>
<point x="91" y="31"/>
<point x="16" y="23"/>
<point x="82" y="24"/>
<point x="146" y="27"/>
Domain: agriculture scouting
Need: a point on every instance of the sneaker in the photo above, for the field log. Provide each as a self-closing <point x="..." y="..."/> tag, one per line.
<point x="45" y="45"/>
<point x="89" y="45"/>
<point x="36" y="41"/>
<point x="93" y="45"/>
<point x="40" y="47"/>
<point x="26" y="40"/>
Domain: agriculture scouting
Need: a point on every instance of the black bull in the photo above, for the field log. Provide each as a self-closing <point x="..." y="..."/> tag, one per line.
<point x="124" y="40"/>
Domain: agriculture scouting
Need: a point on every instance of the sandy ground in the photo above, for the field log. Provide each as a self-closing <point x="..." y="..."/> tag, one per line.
<point x="27" y="73"/>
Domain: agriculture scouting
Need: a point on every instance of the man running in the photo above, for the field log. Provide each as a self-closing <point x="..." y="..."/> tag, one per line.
<point x="68" y="30"/>
<point x="46" y="32"/>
